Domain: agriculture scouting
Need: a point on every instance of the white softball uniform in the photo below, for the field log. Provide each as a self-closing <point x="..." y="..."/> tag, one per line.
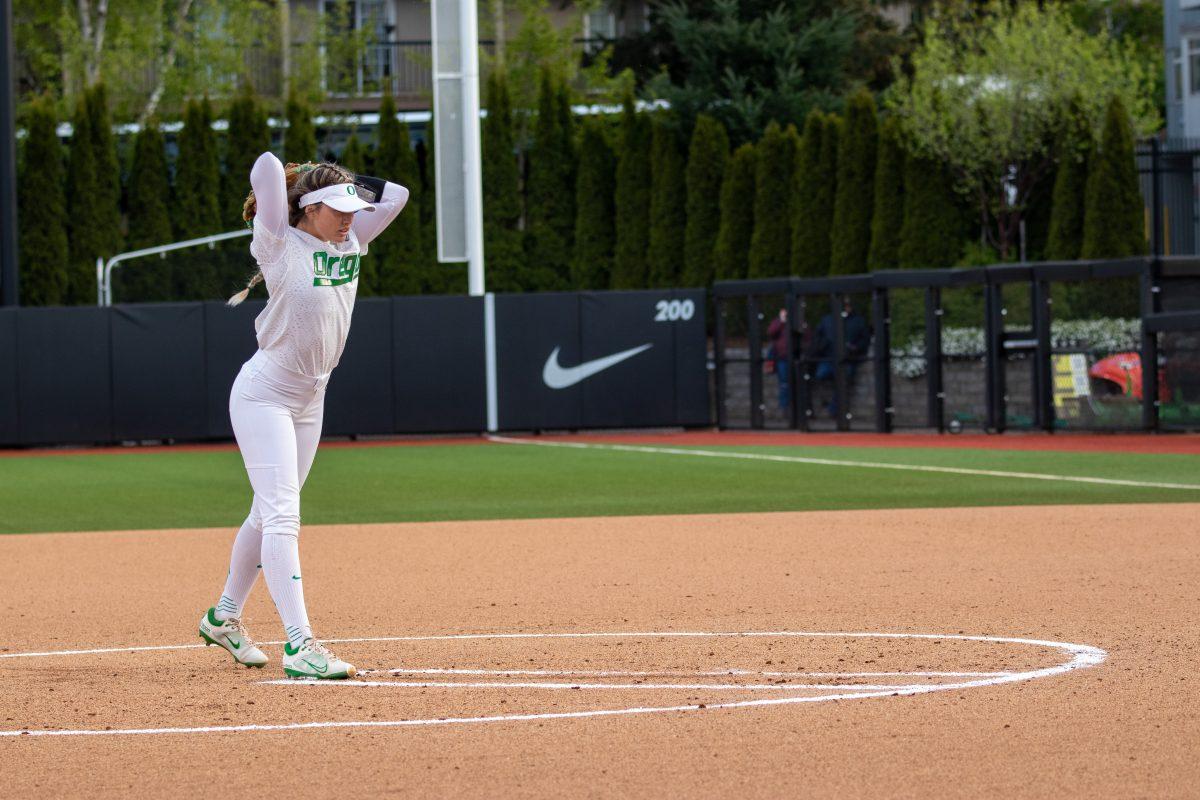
<point x="277" y="401"/>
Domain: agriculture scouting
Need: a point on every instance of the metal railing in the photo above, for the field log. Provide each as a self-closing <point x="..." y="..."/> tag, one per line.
<point x="104" y="269"/>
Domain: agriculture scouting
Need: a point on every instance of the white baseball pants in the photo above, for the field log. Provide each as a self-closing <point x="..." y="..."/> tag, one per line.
<point x="276" y="415"/>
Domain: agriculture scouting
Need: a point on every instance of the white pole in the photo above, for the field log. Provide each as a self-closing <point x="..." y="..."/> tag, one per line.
<point x="472" y="159"/>
<point x="489" y="360"/>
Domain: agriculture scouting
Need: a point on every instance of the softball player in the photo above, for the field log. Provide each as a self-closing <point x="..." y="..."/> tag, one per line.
<point x="312" y="225"/>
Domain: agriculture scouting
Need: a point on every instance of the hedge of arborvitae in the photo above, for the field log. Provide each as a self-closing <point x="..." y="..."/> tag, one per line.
<point x="108" y="173"/>
<point x="855" y="195"/>
<point x="887" y="215"/>
<point x="42" y="210"/>
<point x="247" y="139"/>
<point x="595" y="184"/>
<point x="632" y="201"/>
<point x="300" y="138"/>
<point x="1113" y="224"/>
<point x="932" y="234"/>
<point x="550" y="195"/>
<point x="815" y="188"/>
<point x="502" y="246"/>
<point x="85" y="238"/>
<point x="706" y="161"/>
<point x="668" y="209"/>
<point x="197" y="204"/>
<point x="732" y="254"/>
<point x="1073" y="151"/>
<point x="396" y="260"/>
<point x="771" y="241"/>
<point x="149" y="201"/>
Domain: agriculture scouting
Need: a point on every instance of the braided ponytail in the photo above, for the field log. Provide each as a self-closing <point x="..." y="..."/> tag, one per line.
<point x="301" y="179"/>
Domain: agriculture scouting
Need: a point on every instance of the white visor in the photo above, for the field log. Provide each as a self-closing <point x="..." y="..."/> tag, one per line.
<point x="339" y="196"/>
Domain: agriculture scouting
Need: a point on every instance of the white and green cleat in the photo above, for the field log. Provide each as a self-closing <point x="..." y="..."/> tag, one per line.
<point x="231" y="634"/>
<point x="313" y="660"/>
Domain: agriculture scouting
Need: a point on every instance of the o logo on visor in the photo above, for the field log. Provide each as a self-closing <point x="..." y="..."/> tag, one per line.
<point x="350" y="188"/>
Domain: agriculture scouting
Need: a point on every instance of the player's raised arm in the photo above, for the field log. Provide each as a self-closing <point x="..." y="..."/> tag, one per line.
<point x="389" y="199"/>
<point x="269" y="198"/>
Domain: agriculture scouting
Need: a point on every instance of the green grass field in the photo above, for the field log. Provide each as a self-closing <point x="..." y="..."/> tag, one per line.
<point x="187" y="489"/>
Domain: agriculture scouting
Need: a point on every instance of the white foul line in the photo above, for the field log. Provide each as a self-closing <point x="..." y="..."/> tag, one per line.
<point x="624" y="686"/>
<point x="1082" y="656"/>
<point x="829" y="462"/>
<point x="607" y="673"/>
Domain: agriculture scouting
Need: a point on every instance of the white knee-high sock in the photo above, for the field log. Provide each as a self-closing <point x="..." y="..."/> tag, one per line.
<point x="281" y="565"/>
<point x="244" y="566"/>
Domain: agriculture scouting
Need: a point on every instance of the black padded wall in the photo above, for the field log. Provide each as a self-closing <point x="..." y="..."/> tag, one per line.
<point x="159" y="388"/>
<point x="64" y="373"/>
<point x="229" y="341"/>
<point x="533" y="330"/>
<point x="438" y="364"/>
<point x="10" y="431"/>
<point x="358" y="399"/>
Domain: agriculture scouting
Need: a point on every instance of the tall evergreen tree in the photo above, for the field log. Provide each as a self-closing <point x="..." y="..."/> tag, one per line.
<point x="1068" y="204"/>
<point x="42" y="211"/>
<point x="851" y="236"/>
<point x="396" y="261"/>
<point x="149" y="195"/>
<point x="771" y="244"/>
<point x="707" y="157"/>
<point x="632" y="201"/>
<point x="354" y="155"/>
<point x="1113" y="225"/>
<point x="300" y="138"/>
<point x="501" y="191"/>
<point x="668" y="209"/>
<point x="248" y="138"/>
<point x="888" y="214"/>
<point x="932" y="234"/>
<point x="84" y="218"/>
<point x="199" y="274"/>
<point x="732" y="253"/>
<point x="591" y="262"/>
<point x="815" y="189"/>
<point x="550" y="195"/>
<point x="108" y="173"/>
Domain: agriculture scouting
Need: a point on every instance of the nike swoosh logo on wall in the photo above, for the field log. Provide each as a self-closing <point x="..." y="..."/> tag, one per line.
<point x="557" y="376"/>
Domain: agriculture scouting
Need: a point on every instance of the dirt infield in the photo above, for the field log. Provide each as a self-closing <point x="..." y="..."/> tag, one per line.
<point x="618" y="621"/>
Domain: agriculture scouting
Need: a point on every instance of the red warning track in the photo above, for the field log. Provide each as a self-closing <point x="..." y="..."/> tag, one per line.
<point x="1178" y="444"/>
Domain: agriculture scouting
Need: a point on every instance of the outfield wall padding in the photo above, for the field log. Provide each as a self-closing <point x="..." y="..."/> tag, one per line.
<point x="438" y="364"/>
<point x="163" y="371"/>
<point x="158" y="380"/>
<point x="10" y="430"/>
<point x="358" y="399"/>
<point x="64" y="375"/>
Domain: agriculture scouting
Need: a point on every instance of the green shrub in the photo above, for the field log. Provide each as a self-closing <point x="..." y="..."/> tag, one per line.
<point x="396" y="260"/>
<point x="732" y="254"/>
<point x="502" y="246"/>
<point x="632" y="201"/>
<point x="668" y="210"/>
<point x="932" y="234"/>
<point x="815" y="190"/>
<point x="707" y="158"/>
<point x="591" y="264"/>
<point x="149" y="220"/>
<point x="770" y="245"/>
<point x="888" y="215"/>
<point x="855" y="195"/>
<point x="42" y="210"/>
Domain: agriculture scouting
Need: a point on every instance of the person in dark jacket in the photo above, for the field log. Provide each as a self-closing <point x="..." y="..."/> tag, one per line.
<point x="779" y="336"/>
<point x="857" y="340"/>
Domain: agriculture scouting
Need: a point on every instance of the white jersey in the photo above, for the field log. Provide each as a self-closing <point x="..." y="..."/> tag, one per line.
<point x="312" y="284"/>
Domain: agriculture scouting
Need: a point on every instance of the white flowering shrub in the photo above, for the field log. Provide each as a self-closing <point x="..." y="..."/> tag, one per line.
<point x="1091" y="335"/>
